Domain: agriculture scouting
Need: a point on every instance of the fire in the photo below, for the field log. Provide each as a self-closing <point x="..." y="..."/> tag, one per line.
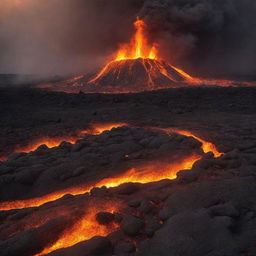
<point x="84" y="229"/>
<point x="87" y="227"/>
<point x="146" y="54"/>
<point x="138" y="47"/>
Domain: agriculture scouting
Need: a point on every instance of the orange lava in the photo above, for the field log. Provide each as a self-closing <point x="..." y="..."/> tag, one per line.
<point x="148" y="174"/>
<point x="49" y="142"/>
<point x="206" y="145"/>
<point x="85" y="228"/>
<point x="139" y="48"/>
<point x="94" y="129"/>
<point x="145" y="175"/>
<point x="98" y="128"/>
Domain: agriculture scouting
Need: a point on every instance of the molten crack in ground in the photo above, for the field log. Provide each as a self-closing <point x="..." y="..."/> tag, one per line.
<point x="132" y="175"/>
<point x="86" y="226"/>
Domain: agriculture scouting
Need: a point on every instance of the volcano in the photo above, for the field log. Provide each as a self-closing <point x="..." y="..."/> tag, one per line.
<point x="138" y="67"/>
<point x="135" y="67"/>
<point x="139" y="74"/>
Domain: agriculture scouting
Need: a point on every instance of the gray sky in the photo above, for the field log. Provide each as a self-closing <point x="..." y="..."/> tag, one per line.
<point x="74" y="36"/>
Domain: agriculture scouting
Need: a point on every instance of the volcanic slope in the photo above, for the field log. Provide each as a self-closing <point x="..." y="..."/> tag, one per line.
<point x="136" y="67"/>
<point x="139" y="73"/>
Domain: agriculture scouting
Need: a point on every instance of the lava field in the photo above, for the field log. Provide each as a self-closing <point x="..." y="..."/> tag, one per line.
<point x="169" y="172"/>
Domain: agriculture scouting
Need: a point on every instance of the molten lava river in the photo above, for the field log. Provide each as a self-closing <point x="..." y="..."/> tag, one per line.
<point x="86" y="227"/>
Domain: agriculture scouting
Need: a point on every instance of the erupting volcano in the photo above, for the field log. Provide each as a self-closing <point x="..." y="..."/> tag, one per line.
<point x="135" y="67"/>
<point x="138" y="67"/>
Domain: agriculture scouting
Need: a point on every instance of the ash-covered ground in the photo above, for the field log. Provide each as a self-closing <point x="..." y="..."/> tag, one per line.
<point x="208" y="210"/>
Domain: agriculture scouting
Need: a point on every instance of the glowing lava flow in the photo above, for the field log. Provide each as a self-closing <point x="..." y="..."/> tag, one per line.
<point x="148" y="174"/>
<point x="48" y="141"/>
<point x="85" y="228"/>
<point x="206" y="146"/>
<point x="136" y="56"/>
<point x="88" y="227"/>
<point x="98" y="128"/>
<point x="51" y="142"/>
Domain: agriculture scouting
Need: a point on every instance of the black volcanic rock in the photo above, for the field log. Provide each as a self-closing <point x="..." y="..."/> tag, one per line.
<point x="130" y="75"/>
<point x="137" y="74"/>
<point x="42" y="172"/>
<point x="209" y="210"/>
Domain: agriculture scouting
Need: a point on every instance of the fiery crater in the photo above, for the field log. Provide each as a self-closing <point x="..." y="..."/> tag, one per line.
<point x="138" y="63"/>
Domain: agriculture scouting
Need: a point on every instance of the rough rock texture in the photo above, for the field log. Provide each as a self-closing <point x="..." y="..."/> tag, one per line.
<point x="90" y="160"/>
<point x="207" y="211"/>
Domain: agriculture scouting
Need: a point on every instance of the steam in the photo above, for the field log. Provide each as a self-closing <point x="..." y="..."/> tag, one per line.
<point x="61" y="37"/>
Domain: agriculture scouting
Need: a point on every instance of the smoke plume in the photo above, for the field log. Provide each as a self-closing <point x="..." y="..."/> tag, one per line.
<point x="206" y="37"/>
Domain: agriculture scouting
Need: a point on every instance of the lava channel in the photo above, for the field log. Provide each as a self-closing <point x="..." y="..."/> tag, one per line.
<point x="52" y="142"/>
<point x="85" y="228"/>
<point x="149" y="174"/>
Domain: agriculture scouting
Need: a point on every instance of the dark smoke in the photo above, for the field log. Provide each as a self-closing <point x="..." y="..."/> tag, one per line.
<point x="205" y="37"/>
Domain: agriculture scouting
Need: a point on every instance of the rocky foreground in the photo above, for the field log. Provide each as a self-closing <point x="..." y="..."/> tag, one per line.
<point x="207" y="210"/>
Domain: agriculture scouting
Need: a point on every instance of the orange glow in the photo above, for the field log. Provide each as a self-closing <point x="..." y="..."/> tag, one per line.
<point x="138" y="47"/>
<point x="206" y="146"/>
<point x="141" y="175"/>
<point x="153" y="173"/>
<point x="49" y="142"/>
<point x="98" y="128"/>
<point x="95" y="129"/>
<point x="144" y="175"/>
<point x="84" y="229"/>
<point x="187" y="77"/>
